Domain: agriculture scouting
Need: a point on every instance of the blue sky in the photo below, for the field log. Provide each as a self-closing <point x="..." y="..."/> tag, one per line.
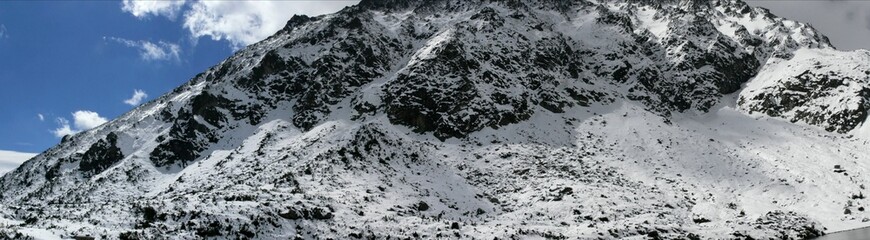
<point x="845" y="22"/>
<point x="66" y="66"/>
<point x="78" y="63"/>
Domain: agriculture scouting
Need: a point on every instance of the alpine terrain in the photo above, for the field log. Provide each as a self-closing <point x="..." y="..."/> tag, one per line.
<point x="483" y="119"/>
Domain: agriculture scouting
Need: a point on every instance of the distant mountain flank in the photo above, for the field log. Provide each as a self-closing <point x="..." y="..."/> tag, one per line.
<point x="692" y="119"/>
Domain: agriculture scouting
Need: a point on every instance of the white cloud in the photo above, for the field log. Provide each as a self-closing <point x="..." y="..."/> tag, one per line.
<point x="64" y="128"/>
<point x="142" y="9"/>
<point x="151" y="51"/>
<point x="238" y="22"/>
<point x="138" y="96"/>
<point x="9" y="160"/>
<point x="85" y="120"/>
<point x="40" y="116"/>
<point x="82" y="120"/>
<point x="246" y="22"/>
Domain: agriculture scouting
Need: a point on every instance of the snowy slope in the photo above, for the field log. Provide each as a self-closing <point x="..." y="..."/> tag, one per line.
<point x="480" y="119"/>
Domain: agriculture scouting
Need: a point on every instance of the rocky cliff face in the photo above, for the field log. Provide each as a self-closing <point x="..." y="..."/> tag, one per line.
<point x="825" y="88"/>
<point x="458" y="119"/>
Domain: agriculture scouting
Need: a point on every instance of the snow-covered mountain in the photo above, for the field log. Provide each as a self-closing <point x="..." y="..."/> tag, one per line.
<point x="692" y="119"/>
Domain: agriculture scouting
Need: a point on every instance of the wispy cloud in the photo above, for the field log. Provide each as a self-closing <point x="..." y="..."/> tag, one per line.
<point x="143" y="9"/>
<point x="3" y="31"/>
<point x="151" y="51"/>
<point x="136" y="99"/>
<point x="82" y="120"/>
<point x="9" y="160"/>
<point x="41" y="117"/>
<point x="64" y="128"/>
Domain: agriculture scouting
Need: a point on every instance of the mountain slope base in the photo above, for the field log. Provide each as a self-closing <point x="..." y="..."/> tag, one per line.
<point x="480" y="119"/>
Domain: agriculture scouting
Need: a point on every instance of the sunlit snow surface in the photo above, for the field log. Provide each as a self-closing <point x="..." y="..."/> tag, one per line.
<point x="718" y="165"/>
<point x="612" y="168"/>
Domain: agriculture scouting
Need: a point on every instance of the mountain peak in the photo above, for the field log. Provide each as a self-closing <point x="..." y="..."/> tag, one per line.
<point x="392" y="4"/>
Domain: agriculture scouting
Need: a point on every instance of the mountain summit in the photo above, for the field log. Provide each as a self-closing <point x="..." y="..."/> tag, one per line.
<point x="702" y="119"/>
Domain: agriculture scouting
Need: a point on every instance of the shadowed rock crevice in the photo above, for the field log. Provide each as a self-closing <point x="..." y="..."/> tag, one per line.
<point x="101" y="156"/>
